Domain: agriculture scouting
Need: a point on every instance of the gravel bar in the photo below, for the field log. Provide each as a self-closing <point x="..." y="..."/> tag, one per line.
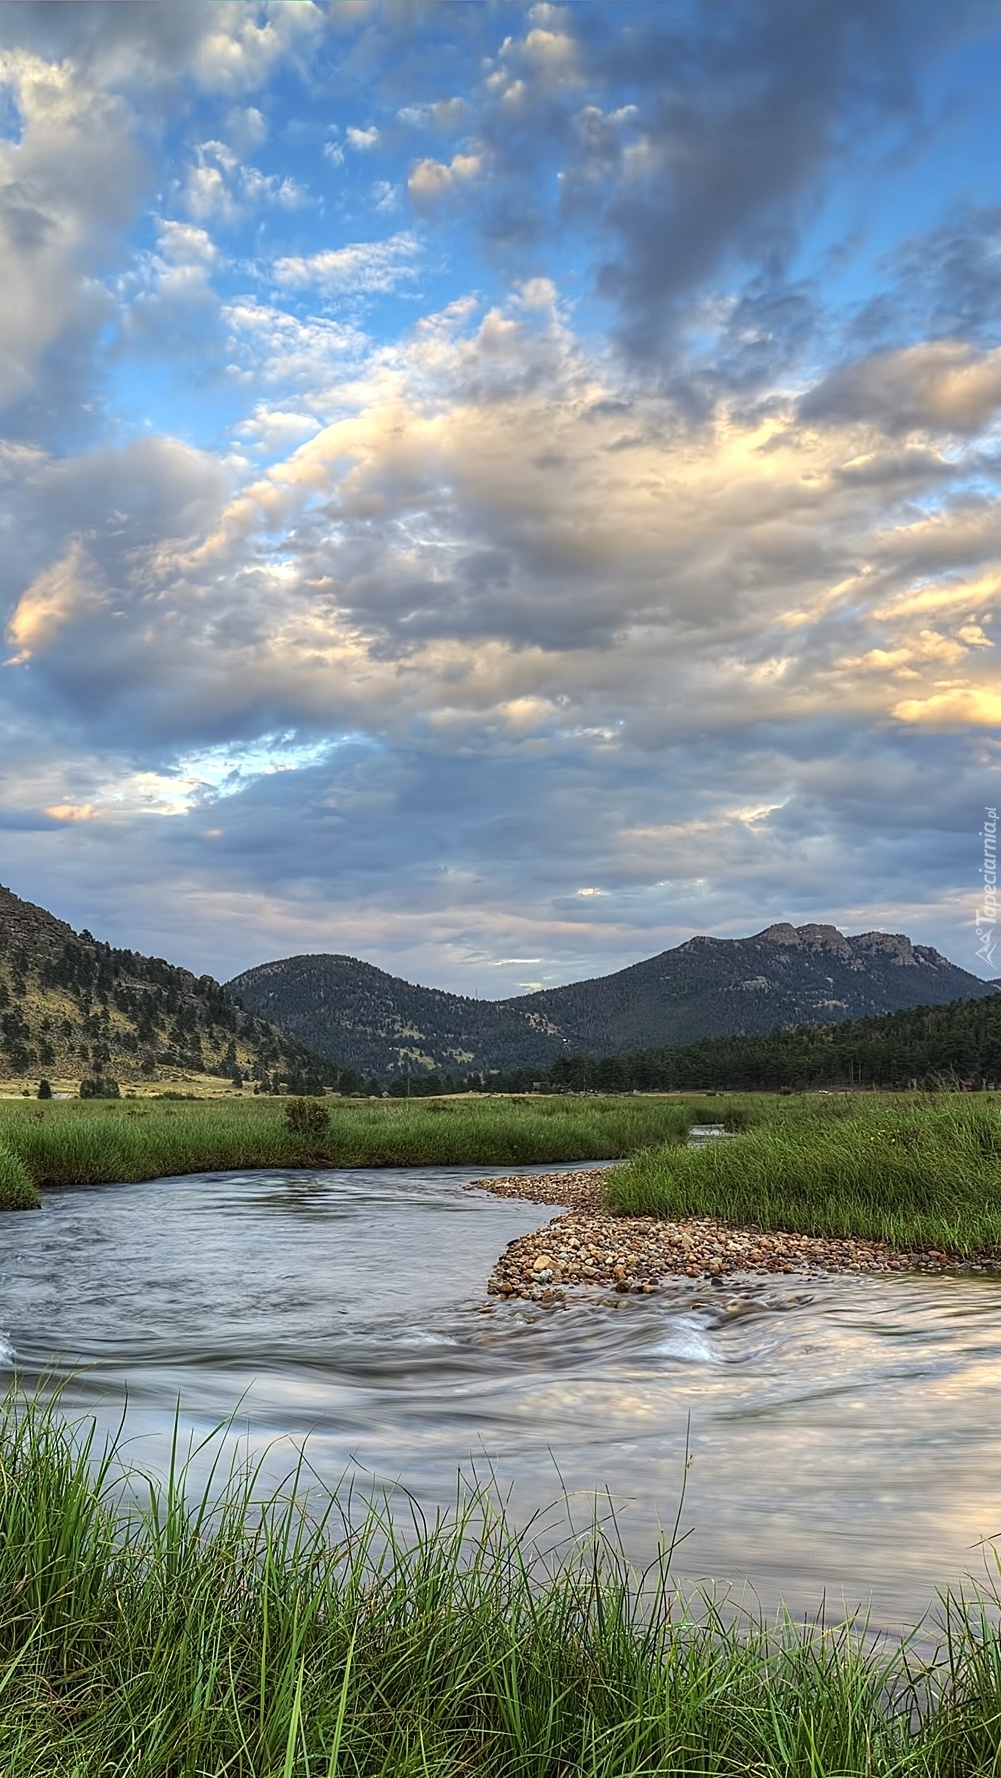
<point x="631" y="1254"/>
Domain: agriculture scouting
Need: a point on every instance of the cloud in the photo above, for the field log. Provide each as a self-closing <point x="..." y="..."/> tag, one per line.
<point x="64" y="594"/>
<point x="240" y="45"/>
<point x="73" y="812"/>
<point x="69" y="178"/>
<point x="150" y="53"/>
<point x="942" y="386"/>
<point x="959" y="707"/>
<point x="79" y="586"/>
<point x="221" y="189"/>
<point x="501" y="545"/>
<point x="364" y="267"/>
<point x="740" y="125"/>
<point x="691" y="147"/>
<point x="431" y="180"/>
<point x="493" y="637"/>
<point x="444" y="115"/>
<point x="275" y="430"/>
<point x="267" y="346"/>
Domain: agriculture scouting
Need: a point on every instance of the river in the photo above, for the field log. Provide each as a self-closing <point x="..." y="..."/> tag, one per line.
<point x="842" y="1434"/>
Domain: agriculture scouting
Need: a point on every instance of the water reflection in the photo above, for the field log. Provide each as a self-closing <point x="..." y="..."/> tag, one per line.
<point x="842" y="1433"/>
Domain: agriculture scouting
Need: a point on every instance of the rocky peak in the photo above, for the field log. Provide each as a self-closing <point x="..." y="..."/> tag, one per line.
<point x="825" y="938"/>
<point x="895" y="945"/>
<point x="780" y="934"/>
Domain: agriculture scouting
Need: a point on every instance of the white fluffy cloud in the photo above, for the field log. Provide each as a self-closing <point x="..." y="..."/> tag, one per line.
<point x="360" y="267"/>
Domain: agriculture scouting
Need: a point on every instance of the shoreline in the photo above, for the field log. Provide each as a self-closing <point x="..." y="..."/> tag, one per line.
<point x="590" y="1244"/>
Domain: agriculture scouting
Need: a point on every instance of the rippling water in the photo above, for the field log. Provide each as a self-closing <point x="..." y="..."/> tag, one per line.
<point x="844" y="1434"/>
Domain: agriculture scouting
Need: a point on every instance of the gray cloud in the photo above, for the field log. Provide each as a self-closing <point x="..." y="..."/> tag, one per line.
<point x="747" y="118"/>
<point x="440" y="867"/>
<point x="942" y="284"/>
<point x="939" y="385"/>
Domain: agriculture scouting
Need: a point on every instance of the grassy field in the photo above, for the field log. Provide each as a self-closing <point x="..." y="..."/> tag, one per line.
<point x="94" y="1142"/>
<point x="171" y="1639"/>
<point x="920" y="1172"/>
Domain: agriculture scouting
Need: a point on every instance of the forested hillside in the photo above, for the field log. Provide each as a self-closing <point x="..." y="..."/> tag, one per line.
<point x="71" y="1007"/>
<point x="364" y="1018"/>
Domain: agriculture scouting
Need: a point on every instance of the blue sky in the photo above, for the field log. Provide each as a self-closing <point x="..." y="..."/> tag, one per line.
<point x="495" y="489"/>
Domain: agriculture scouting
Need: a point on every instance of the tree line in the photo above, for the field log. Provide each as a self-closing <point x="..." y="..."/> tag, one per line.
<point x="953" y="1046"/>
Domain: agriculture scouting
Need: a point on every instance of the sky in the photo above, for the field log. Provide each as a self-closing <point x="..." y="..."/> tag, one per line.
<point x="495" y="489"/>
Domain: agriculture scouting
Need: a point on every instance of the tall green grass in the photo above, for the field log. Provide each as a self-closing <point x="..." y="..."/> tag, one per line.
<point x="88" y="1144"/>
<point x="917" y="1173"/>
<point x="213" y="1636"/>
<point x="17" y="1189"/>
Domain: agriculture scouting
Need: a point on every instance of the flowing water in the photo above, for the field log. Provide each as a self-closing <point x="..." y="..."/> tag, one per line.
<point x="843" y="1435"/>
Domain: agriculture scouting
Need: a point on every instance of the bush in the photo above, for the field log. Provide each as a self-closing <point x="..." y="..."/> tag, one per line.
<point x="100" y="1088"/>
<point x="17" y="1189"/>
<point x="44" y="1089"/>
<point x="307" y="1117"/>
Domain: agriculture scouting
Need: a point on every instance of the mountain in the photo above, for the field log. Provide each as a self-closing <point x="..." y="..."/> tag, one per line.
<point x="71" y="1007"/>
<point x="363" y="1018"/>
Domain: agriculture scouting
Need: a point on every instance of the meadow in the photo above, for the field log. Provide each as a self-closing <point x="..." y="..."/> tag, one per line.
<point x="152" y="1631"/>
<point x="95" y="1142"/>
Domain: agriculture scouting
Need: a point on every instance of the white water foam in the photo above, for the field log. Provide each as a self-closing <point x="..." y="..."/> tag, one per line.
<point x="7" y="1353"/>
<point x="688" y="1337"/>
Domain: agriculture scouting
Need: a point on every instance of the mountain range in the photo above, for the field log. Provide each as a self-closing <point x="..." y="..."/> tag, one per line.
<point x="363" y="1018"/>
<point x="72" y="1007"/>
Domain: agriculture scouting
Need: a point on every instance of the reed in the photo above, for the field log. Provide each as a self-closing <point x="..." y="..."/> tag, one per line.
<point x="94" y="1144"/>
<point x="917" y="1173"/>
<point x="153" y="1633"/>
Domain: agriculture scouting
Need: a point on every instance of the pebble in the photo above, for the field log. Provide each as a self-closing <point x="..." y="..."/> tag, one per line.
<point x="631" y="1254"/>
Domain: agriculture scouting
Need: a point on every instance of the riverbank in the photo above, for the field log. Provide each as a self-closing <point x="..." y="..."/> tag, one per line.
<point x="156" y="1631"/>
<point x="592" y="1245"/>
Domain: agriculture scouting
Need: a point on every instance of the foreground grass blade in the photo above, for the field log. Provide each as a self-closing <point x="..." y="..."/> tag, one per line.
<point x="177" y="1633"/>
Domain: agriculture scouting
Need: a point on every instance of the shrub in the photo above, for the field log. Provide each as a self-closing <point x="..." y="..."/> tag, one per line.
<point x="307" y="1117"/>
<point x="44" y="1089"/>
<point x="100" y="1088"/>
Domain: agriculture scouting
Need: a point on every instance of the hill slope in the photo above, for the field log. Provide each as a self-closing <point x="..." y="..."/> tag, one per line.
<point x="72" y="1007"/>
<point x="366" y="1019"/>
